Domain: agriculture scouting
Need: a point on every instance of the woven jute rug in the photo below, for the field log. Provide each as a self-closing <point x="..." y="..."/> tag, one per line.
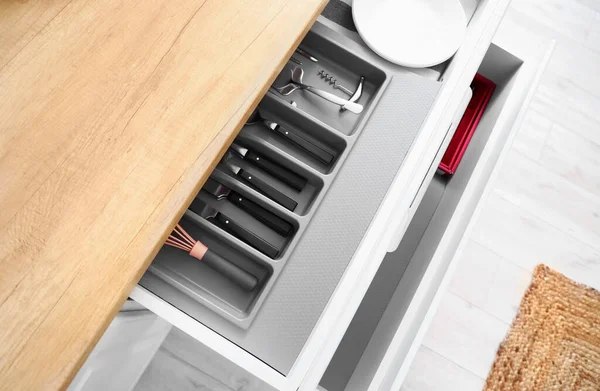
<point x="554" y="342"/>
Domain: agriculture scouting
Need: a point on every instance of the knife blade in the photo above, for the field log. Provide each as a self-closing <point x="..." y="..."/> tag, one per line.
<point x="261" y="186"/>
<point x="222" y="221"/>
<point x="220" y="192"/>
<point x="285" y="175"/>
<point x="302" y="142"/>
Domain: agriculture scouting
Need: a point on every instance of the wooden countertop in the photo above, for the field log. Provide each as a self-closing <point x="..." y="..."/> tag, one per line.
<point x="112" y="115"/>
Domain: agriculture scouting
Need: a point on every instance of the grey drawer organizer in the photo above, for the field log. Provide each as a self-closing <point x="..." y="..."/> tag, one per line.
<point x="335" y="208"/>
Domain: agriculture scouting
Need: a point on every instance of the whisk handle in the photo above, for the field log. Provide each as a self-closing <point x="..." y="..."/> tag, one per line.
<point x="241" y="277"/>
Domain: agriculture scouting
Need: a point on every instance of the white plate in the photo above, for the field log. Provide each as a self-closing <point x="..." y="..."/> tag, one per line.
<point x="412" y="33"/>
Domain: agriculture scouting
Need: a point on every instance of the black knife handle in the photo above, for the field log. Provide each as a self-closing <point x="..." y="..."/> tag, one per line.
<point x="230" y="270"/>
<point x="271" y="220"/>
<point x="268" y="190"/>
<point x="287" y="176"/>
<point x="246" y="236"/>
<point x="305" y="144"/>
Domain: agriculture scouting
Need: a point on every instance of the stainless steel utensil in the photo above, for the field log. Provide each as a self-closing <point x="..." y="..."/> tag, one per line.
<point x="333" y="81"/>
<point x="359" y="90"/>
<point x="287" y="89"/>
<point x="297" y="76"/>
<point x="354" y="96"/>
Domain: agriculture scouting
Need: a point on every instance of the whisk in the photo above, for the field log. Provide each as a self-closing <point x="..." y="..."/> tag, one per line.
<point x="333" y="81"/>
<point x="182" y="240"/>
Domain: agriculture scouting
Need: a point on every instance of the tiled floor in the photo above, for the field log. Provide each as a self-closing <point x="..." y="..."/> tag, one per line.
<point x="545" y="207"/>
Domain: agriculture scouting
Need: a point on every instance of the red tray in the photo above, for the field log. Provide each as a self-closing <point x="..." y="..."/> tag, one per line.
<point x="482" y="92"/>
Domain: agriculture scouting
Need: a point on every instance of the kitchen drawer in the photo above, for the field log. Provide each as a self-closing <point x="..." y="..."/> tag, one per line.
<point x="378" y="347"/>
<point x="289" y="335"/>
<point x="273" y="321"/>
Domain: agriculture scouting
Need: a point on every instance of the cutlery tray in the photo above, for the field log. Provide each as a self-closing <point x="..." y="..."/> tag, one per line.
<point x="333" y="209"/>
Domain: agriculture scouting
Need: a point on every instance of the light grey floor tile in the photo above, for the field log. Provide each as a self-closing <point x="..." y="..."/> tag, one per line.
<point x="561" y="101"/>
<point x="526" y="240"/>
<point x="532" y="135"/>
<point x="432" y="372"/>
<point x="506" y="291"/>
<point x="574" y="158"/>
<point x="591" y="4"/>
<point x="465" y="335"/>
<point x="577" y="63"/>
<point x="593" y="41"/>
<point x="567" y="17"/>
<point x="475" y="273"/>
<point x="550" y="197"/>
<point x="490" y="282"/>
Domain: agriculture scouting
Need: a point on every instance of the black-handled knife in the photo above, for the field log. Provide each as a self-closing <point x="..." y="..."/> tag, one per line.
<point x="219" y="219"/>
<point x="271" y="220"/>
<point x="262" y="186"/>
<point x="302" y="142"/>
<point x="285" y="175"/>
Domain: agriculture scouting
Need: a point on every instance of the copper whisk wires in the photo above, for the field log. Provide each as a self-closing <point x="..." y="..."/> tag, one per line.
<point x="181" y="239"/>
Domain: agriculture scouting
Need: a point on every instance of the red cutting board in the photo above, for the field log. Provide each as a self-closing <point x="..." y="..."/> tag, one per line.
<point x="482" y="92"/>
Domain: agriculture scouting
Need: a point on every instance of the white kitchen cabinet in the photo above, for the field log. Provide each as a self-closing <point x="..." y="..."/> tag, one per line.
<point x="123" y="352"/>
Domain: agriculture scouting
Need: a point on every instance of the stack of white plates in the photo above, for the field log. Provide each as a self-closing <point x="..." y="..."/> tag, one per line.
<point x="412" y="33"/>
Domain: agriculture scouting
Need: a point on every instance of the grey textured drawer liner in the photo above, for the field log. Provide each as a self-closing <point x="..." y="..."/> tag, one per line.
<point x="300" y="294"/>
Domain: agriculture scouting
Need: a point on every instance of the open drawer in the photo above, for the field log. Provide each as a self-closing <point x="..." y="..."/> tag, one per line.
<point x="273" y="320"/>
<point x="385" y="223"/>
<point x="377" y="349"/>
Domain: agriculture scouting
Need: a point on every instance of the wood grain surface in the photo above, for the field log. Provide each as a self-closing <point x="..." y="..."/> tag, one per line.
<point x="112" y="115"/>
